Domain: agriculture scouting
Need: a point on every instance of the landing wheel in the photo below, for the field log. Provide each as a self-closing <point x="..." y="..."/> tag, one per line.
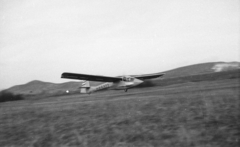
<point x="126" y="90"/>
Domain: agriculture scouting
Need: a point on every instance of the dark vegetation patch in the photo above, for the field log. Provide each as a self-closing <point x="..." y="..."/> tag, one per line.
<point x="8" y="96"/>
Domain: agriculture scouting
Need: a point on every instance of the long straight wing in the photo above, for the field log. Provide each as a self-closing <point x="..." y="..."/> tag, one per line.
<point x="149" y="76"/>
<point x="90" y="77"/>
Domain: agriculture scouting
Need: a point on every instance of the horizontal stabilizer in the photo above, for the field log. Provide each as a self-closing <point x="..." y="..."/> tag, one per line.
<point x="84" y="89"/>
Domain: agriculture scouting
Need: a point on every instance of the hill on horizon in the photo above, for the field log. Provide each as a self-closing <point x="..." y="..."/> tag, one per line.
<point x="37" y="87"/>
<point x="202" y="68"/>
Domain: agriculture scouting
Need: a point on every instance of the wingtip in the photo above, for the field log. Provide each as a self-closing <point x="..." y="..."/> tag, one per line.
<point x="62" y="75"/>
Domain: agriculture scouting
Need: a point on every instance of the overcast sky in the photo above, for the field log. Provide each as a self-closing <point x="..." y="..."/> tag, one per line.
<point x="40" y="39"/>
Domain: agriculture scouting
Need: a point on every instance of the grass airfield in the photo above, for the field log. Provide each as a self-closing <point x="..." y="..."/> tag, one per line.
<point x="202" y="114"/>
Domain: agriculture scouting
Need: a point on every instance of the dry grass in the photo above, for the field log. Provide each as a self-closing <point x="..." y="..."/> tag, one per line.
<point x="172" y="116"/>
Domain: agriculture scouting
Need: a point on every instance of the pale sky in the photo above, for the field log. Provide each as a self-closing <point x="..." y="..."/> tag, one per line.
<point x="40" y="39"/>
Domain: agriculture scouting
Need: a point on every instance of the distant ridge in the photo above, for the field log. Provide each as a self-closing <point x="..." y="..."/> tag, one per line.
<point x="40" y="88"/>
<point x="37" y="87"/>
<point x="202" y="68"/>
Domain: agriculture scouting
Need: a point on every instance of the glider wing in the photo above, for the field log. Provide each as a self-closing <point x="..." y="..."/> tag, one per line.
<point x="149" y="76"/>
<point x="90" y="77"/>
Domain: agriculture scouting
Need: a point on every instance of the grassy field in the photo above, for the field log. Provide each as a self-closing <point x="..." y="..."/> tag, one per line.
<point x="202" y="114"/>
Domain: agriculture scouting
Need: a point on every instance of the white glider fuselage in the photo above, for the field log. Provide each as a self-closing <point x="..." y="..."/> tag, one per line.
<point x="119" y="85"/>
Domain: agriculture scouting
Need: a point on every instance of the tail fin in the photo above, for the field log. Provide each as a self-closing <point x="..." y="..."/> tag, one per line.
<point x="86" y="84"/>
<point x="85" y="87"/>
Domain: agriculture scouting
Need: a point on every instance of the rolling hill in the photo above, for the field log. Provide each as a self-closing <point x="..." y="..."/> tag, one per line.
<point x="202" y="68"/>
<point x="40" y="88"/>
<point x="36" y="87"/>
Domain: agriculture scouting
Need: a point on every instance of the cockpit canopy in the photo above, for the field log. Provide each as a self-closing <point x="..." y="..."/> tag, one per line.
<point x="128" y="79"/>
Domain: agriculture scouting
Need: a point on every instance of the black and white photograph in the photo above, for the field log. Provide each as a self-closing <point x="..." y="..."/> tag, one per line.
<point x="119" y="73"/>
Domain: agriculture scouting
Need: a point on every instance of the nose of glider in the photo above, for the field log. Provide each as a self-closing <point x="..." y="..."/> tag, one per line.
<point x="137" y="81"/>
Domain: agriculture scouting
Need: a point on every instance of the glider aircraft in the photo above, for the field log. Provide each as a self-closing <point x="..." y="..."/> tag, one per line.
<point x="116" y="83"/>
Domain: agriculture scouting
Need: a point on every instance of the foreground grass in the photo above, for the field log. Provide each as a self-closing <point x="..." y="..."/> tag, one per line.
<point x="204" y="118"/>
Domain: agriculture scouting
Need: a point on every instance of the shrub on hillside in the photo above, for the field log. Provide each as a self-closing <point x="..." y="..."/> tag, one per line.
<point x="8" y="96"/>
